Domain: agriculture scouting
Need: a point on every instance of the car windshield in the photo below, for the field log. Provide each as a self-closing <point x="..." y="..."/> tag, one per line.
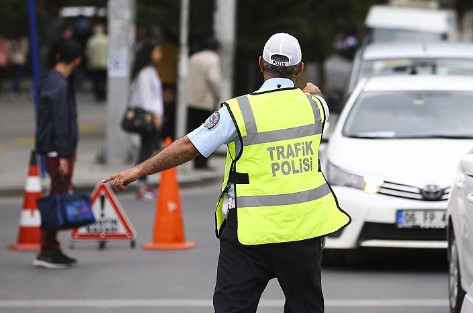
<point x="411" y="114"/>
<point x="416" y="66"/>
<point x="400" y="35"/>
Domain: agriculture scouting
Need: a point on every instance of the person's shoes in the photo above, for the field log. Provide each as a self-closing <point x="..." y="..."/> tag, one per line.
<point x="68" y="258"/>
<point x="53" y="260"/>
<point x="145" y="195"/>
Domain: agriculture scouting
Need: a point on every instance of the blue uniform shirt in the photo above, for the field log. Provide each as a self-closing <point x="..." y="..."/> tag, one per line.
<point x="207" y="139"/>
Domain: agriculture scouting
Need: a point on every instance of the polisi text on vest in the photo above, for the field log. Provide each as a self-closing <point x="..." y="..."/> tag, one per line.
<point x="291" y="158"/>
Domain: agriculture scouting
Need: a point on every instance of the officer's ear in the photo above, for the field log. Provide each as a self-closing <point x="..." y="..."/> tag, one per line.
<point x="261" y="64"/>
<point x="299" y="69"/>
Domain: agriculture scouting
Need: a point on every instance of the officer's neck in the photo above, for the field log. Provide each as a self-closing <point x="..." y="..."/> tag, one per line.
<point x="267" y="76"/>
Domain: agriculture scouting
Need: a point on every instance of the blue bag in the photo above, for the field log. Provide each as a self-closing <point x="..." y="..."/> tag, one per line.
<point x="65" y="211"/>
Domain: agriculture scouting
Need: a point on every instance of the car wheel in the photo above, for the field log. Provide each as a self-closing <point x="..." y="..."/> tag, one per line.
<point x="455" y="290"/>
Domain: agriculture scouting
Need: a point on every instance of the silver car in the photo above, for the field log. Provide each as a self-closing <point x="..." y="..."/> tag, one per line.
<point x="460" y="238"/>
<point x="404" y="24"/>
<point x="412" y="58"/>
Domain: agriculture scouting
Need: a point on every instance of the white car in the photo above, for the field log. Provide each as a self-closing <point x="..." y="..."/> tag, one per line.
<point x="402" y="24"/>
<point x="392" y="156"/>
<point x="460" y="238"/>
<point x="412" y="58"/>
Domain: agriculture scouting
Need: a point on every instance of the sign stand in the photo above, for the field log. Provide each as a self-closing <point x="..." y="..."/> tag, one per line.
<point x="112" y="222"/>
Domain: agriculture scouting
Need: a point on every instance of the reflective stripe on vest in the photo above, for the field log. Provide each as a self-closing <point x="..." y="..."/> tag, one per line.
<point x="292" y="198"/>
<point x="285" y="197"/>
<point x="280" y="134"/>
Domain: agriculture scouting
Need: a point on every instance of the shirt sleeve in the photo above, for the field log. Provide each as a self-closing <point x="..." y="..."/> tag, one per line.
<point x="208" y="138"/>
<point x="324" y="104"/>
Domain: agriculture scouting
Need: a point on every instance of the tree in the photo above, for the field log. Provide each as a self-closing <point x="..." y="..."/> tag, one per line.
<point x="314" y="22"/>
<point x="166" y="14"/>
<point x="11" y="12"/>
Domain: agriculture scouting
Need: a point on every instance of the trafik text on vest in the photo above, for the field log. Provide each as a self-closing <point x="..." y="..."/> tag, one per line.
<point x="292" y="158"/>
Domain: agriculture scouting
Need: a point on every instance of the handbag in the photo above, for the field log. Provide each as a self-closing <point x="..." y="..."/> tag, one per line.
<point x="138" y="120"/>
<point x="65" y="211"/>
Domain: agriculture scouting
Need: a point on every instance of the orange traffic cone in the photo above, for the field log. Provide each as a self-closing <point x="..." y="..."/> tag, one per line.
<point x="168" y="223"/>
<point x="29" y="235"/>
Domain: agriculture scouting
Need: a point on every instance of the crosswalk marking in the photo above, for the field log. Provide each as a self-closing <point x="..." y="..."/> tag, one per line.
<point x="154" y="303"/>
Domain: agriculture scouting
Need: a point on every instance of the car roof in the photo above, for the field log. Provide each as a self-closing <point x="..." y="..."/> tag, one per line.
<point x="418" y="82"/>
<point x="418" y="50"/>
<point x="416" y="19"/>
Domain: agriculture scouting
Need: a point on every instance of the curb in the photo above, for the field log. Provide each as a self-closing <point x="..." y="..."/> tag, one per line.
<point x="185" y="181"/>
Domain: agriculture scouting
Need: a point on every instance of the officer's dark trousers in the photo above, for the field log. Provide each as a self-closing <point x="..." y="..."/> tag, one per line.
<point x="244" y="271"/>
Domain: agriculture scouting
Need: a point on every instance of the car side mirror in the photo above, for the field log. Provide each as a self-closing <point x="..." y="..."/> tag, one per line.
<point x="467" y="164"/>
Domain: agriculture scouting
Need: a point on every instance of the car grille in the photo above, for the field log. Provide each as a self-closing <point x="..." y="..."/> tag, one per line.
<point x="412" y="192"/>
<point x="382" y="231"/>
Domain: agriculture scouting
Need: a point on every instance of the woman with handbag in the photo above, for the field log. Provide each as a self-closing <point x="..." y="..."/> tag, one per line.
<point x="146" y="94"/>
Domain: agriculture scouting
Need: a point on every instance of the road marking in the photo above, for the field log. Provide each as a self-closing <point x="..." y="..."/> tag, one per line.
<point x="89" y="128"/>
<point x="24" y="140"/>
<point x="154" y="303"/>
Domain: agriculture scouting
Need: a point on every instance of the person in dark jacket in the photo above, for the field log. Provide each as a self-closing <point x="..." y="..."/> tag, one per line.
<point x="56" y="138"/>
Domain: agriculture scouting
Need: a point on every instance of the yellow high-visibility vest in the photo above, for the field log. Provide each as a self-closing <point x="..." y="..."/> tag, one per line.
<point x="281" y="194"/>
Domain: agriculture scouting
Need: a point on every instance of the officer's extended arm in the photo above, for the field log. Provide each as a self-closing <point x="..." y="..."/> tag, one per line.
<point x="179" y="152"/>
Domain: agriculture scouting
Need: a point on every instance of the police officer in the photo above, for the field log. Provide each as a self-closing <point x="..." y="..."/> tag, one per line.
<point x="275" y="206"/>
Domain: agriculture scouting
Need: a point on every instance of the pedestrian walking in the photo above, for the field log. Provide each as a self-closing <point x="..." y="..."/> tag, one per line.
<point x="96" y="52"/>
<point x="203" y="88"/>
<point x="19" y="53"/>
<point x="347" y="44"/>
<point x="5" y="57"/>
<point x="276" y="206"/>
<point x="67" y="33"/>
<point x="146" y="93"/>
<point x="57" y="138"/>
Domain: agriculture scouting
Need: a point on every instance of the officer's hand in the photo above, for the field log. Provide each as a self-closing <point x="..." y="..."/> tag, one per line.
<point x="121" y="180"/>
<point x="312" y="89"/>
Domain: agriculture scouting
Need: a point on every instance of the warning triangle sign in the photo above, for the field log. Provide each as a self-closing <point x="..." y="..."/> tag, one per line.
<point x="112" y="222"/>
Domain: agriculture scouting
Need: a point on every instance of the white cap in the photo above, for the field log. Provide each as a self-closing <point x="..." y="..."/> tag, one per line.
<point x="285" y="45"/>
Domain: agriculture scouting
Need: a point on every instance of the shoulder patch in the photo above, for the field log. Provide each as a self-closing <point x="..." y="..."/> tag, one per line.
<point x="212" y="120"/>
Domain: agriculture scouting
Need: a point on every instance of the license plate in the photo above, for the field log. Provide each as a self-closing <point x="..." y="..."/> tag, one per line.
<point x="421" y="219"/>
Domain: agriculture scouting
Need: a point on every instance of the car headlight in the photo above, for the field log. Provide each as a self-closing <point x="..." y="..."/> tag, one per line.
<point x="339" y="177"/>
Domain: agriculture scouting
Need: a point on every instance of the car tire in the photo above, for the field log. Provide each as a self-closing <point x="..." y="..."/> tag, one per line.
<point x="455" y="290"/>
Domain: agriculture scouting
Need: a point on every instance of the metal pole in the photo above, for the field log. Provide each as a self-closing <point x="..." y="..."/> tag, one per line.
<point x="181" y="118"/>
<point x="121" y="18"/>
<point x="224" y="28"/>
<point x="35" y="67"/>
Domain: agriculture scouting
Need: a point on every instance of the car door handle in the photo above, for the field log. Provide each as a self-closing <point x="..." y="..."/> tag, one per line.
<point x="470" y="197"/>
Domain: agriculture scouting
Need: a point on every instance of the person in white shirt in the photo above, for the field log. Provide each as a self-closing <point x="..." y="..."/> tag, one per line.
<point x="147" y="94"/>
<point x="96" y="51"/>
<point x="19" y="54"/>
<point x="203" y="88"/>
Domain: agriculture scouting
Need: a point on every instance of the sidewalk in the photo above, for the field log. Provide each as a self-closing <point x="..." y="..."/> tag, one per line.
<point x="17" y="123"/>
